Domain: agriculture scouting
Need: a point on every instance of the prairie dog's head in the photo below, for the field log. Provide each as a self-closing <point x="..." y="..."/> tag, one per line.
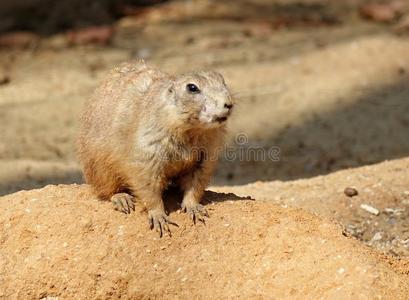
<point x="201" y="99"/>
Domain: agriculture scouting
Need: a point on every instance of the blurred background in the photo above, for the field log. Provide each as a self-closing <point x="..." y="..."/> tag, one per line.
<point x="324" y="81"/>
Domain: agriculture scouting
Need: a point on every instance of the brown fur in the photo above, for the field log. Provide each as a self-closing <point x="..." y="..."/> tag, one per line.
<point x="143" y="129"/>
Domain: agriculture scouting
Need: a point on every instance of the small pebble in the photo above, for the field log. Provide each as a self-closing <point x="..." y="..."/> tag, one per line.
<point x="405" y="241"/>
<point x="377" y="236"/>
<point x="395" y="211"/>
<point x="370" y="209"/>
<point x="350" y="192"/>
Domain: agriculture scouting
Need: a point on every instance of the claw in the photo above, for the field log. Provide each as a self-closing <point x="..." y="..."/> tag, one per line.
<point x="123" y="202"/>
<point x="202" y="219"/>
<point x="196" y="212"/>
<point x="206" y="214"/>
<point x="160" y="230"/>
<point x="160" y="223"/>
<point x="167" y="229"/>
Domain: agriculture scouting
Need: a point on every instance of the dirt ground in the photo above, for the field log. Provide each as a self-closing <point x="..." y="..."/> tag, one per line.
<point x="60" y="241"/>
<point x="384" y="187"/>
<point x="323" y="88"/>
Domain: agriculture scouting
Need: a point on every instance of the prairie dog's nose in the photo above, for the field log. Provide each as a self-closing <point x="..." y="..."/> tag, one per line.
<point x="225" y="112"/>
<point x="228" y="105"/>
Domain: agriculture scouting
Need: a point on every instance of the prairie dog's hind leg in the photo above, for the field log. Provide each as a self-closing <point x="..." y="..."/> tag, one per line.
<point x="123" y="202"/>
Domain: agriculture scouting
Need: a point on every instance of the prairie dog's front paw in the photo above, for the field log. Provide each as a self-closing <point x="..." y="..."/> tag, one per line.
<point x="123" y="202"/>
<point x="159" y="221"/>
<point x="196" y="211"/>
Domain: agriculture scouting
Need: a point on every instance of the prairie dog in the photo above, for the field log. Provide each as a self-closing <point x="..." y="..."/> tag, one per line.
<point x="143" y="129"/>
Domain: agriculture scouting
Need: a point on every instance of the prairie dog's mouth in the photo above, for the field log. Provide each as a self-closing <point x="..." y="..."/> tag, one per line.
<point x="221" y="119"/>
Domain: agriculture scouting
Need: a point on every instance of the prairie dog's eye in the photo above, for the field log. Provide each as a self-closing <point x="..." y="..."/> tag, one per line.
<point x="192" y="88"/>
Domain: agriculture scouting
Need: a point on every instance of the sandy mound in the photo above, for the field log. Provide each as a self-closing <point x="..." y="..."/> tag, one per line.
<point x="384" y="186"/>
<point x="61" y="241"/>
